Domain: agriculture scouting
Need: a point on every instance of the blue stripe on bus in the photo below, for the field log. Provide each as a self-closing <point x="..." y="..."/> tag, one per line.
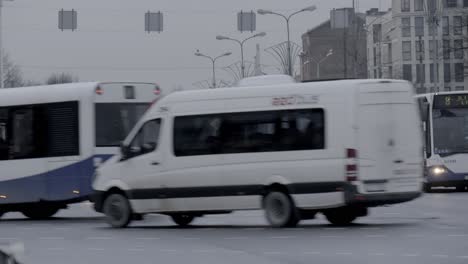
<point x="56" y="185"/>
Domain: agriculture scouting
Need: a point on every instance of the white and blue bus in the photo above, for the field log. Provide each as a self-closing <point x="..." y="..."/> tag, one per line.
<point x="53" y="137"/>
<point x="445" y="121"/>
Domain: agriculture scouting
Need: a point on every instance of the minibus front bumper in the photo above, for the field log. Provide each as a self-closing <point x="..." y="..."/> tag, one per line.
<point x="353" y="197"/>
<point x="97" y="198"/>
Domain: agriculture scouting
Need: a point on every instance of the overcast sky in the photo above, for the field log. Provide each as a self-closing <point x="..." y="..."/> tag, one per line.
<point x="111" y="45"/>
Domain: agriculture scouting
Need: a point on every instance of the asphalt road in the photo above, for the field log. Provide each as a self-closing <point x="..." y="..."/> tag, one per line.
<point x="432" y="229"/>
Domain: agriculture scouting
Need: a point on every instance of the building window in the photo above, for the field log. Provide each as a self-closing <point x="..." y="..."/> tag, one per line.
<point x="420" y="73"/>
<point x="465" y="3"/>
<point x="249" y="132"/>
<point x="406" y="46"/>
<point x="407" y="72"/>
<point x="448" y="89"/>
<point x="390" y="72"/>
<point x="458" y="48"/>
<point x="389" y="53"/>
<point x="446" y="48"/>
<point x="419" y="26"/>
<point x="433" y="49"/>
<point x="447" y="73"/>
<point x="450" y="3"/>
<point x="375" y="74"/>
<point x="419" y="47"/>
<point x="418" y="5"/>
<point x="459" y="72"/>
<point x="377" y="33"/>
<point x="375" y="56"/>
<point x="459" y="88"/>
<point x="445" y="26"/>
<point x="406" y="27"/>
<point x="457" y="25"/>
<point x="434" y="73"/>
<point x="405" y="6"/>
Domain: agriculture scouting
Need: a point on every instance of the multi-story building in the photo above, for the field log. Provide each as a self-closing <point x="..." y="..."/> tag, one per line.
<point x="336" y="48"/>
<point x="422" y="41"/>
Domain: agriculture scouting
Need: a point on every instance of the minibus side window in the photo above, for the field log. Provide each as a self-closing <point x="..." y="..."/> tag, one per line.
<point x="146" y="140"/>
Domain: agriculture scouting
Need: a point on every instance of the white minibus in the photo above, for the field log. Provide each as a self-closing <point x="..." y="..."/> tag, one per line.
<point x="52" y="138"/>
<point x="292" y="149"/>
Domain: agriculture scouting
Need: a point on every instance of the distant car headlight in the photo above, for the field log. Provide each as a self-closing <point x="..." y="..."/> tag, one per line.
<point x="438" y="170"/>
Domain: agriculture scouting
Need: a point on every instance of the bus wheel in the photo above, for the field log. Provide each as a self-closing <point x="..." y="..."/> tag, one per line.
<point x="340" y="216"/>
<point x="117" y="210"/>
<point x="280" y="210"/>
<point x="460" y="188"/>
<point x="182" y="219"/>
<point x="40" y="212"/>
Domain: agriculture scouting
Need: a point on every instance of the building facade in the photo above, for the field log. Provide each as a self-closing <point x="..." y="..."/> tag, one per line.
<point x="335" y="49"/>
<point x="422" y="41"/>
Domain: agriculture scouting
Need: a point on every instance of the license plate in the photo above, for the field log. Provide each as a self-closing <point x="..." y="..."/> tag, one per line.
<point x="375" y="187"/>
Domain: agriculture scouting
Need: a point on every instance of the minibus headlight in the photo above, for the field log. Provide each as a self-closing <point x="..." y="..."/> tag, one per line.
<point x="438" y="170"/>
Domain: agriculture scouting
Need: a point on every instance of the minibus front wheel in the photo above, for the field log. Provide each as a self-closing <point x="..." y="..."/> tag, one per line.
<point x="182" y="220"/>
<point x="117" y="210"/>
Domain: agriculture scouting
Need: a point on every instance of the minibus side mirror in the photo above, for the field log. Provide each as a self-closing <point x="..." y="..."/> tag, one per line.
<point x="124" y="149"/>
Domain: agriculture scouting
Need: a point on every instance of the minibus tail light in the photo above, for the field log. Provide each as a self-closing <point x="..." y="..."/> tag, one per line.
<point x="99" y="91"/>
<point x="351" y="165"/>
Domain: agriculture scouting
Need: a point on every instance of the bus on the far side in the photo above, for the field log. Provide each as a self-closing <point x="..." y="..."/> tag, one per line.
<point x="53" y="137"/>
<point x="445" y="121"/>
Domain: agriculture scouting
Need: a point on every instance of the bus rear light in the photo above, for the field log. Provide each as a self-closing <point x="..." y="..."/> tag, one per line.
<point x="351" y="165"/>
<point x="157" y="90"/>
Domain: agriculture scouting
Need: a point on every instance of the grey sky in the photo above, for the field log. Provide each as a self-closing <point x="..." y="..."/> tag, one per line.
<point x="111" y="44"/>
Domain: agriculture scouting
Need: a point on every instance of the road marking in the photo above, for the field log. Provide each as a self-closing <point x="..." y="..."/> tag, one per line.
<point x="273" y="253"/>
<point x="457" y="235"/>
<point x="55" y="249"/>
<point x="375" y="236"/>
<point x="99" y="238"/>
<point x="253" y="228"/>
<point x="191" y="238"/>
<point x="282" y="237"/>
<point x="334" y="228"/>
<point x="344" y="253"/>
<point x="312" y="253"/>
<point x="9" y="238"/>
<point x="235" y="238"/>
<point x="440" y="256"/>
<point x="62" y="228"/>
<point x="96" y="249"/>
<point x="147" y="238"/>
<point x="168" y="250"/>
<point x="51" y="238"/>
<point x="370" y="228"/>
<point x="322" y="236"/>
<point x="136" y="249"/>
<point x="392" y="213"/>
<point x="411" y="255"/>
<point x="415" y="235"/>
<point x="377" y="254"/>
<point x="204" y="251"/>
<point x="462" y="257"/>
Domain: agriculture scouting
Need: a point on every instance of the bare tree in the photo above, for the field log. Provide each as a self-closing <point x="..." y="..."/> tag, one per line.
<point x="58" y="78"/>
<point x="13" y="77"/>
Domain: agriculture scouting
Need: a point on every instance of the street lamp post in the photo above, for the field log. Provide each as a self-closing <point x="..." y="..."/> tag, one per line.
<point x="2" y="78"/>
<point x="213" y="60"/>
<point x="287" y="18"/>
<point x="330" y="52"/>
<point x="241" y="43"/>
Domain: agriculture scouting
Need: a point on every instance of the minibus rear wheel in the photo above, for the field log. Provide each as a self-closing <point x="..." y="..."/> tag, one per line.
<point x="117" y="210"/>
<point x="182" y="219"/>
<point x="280" y="210"/>
<point x="340" y="216"/>
<point x="40" y="212"/>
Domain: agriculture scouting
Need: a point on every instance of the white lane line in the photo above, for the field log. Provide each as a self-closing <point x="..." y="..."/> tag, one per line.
<point x="440" y="256"/>
<point x="392" y="213"/>
<point x="136" y="249"/>
<point x="282" y="237"/>
<point x="370" y="228"/>
<point x="235" y="238"/>
<point x="322" y="236"/>
<point x="96" y="249"/>
<point x="51" y="238"/>
<point x="56" y="249"/>
<point x="168" y="250"/>
<point x="344" y="253"/>
<point x="273" y="253"/>
<point x="99" y="238"/>
<point x="415" y="235"/>
<point x="9" y="238"/>
<point x="377" y="254"/>
<point x="334" y="228"/>
<point x="191" y="238"/>
<point x="203" y="251"/>
<point x="62" y="228"/>
<point x="375" y="236"/>
<point x="254" y="228"/>
<point x="312" y="253"/>
<point x="147" y="238"/>
<point x="462" y="257"/>
<point x="457" y="235"/>
<point x="411" y="255"/>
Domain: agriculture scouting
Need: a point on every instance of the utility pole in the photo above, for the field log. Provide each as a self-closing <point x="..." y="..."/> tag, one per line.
<point x="421" y="69"/>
